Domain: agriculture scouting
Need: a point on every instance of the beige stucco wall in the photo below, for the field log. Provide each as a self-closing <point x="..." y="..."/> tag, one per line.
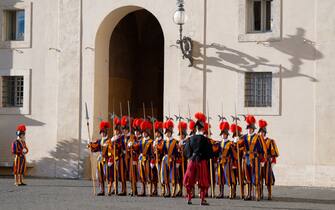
<point x="61" y="84"/>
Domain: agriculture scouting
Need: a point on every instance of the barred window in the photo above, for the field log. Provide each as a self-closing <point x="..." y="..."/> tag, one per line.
<point x="14" y="25"/>
<point x="258" y="89"/>
<point x="11" y="91"/>
<point x="259" y="15"/>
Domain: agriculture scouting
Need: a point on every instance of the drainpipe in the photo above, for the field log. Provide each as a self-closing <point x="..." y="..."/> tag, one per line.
<point x="80" y="83"/>
<point x="204" y="102"/>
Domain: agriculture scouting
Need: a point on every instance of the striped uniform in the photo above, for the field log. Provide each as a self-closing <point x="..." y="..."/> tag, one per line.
<point x="105" y="159"/>
<point x="271" y="154"/>
<point x="19" y="166"/>
<point x="227" y="159"/>
<point x="253" y="151"/>
<point x="168" y="169"/>
<point x="146" y="154"/>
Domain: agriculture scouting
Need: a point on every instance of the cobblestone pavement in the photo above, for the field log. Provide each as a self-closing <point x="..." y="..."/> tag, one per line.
<point x="49" y="194"/>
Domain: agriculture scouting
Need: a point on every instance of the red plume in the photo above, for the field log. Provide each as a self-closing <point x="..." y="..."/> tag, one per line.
<point x="200" y="116"/>
<point x="182" y="125"/>
<point x="137" y="123"/>
<point x="21" y="128"/>
<point x="168" y="124"/>
<point x="116" y="121"/>
<point x="233" y="128"/>
<point x="191" y="125"/>
<point x="250" y="119"/>
<point x="224" y="126"/>
<point x="262" y="123"/>
<point x="158" y="125"/>
<point x="124" y="121"/>
<point x="104" y="125"/>
<point x="146" y="125"/>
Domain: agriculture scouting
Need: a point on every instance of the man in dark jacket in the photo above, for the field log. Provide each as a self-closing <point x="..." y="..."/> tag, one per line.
<point x="198" y="150"/>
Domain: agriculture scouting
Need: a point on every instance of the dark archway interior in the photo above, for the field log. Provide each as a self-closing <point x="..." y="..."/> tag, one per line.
<point x="136" y="68"/>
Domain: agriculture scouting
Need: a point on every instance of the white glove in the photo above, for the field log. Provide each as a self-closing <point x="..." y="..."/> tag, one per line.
<point x="155" y="144"/>
<point x="235" y="139"/>
<point x="152" y="165"/>
<point x="113" y="139"/>
<point x="109" y="164"/>
<point x="262" y="164"/>
<point x="130" y="144"/>
<point x="24" y="150"/>
<point x="177" y="165"/>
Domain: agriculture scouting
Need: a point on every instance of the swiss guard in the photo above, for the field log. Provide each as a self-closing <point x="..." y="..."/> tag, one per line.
<point x="271" y="158"/>
<point x="169" y="171"/>
<point x="226" y="162"/>
<point x="119" y="162"/>
<point x="125" y="152"/>
<point x="133" y="146"/>
<point x="236" y="167"/>
<point x="20" y="149"/>
<point x="145" y="148"/>
<point x="199" y="151"/>
<point x="158" y="149"/>
<point x="181" y="161"/>
<point x="105" y="159"/>
<point x="253" y="150"/>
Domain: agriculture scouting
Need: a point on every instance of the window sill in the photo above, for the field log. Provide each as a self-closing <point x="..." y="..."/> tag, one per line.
<point x="259" y="37"/>
<point x="14" y="111"/>
<point x="14" y="44"/>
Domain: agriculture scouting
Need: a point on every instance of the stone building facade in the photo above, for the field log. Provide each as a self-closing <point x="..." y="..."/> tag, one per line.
<point x="274" y="59"/>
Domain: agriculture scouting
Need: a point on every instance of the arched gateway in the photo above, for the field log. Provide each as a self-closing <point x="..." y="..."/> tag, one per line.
<point x="129" y="63"/>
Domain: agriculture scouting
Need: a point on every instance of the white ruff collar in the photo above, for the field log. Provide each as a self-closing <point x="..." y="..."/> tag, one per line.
<point x="199" y="133"/>
<point x="116" y="137"/>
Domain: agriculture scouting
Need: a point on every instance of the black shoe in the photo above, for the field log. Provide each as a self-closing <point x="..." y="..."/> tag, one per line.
<point x="110" y="194"/>
<point x="248" y="198"/>
<point x="23" y="184"/>
<point x="101" y="194"/>
<point x="189" y="202"/>
<point x="122" y="194"/>
<point x="204" y="203"/>
<point x="141" y="194"/>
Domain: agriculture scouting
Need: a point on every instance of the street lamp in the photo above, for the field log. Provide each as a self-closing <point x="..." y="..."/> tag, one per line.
<point x="185" y="42"/>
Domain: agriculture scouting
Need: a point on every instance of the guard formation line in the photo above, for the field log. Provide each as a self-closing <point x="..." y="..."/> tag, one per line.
<point x="145" y="151"/>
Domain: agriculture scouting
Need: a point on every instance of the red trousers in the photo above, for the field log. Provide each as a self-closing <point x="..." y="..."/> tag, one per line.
<point x="197" y="172"/>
